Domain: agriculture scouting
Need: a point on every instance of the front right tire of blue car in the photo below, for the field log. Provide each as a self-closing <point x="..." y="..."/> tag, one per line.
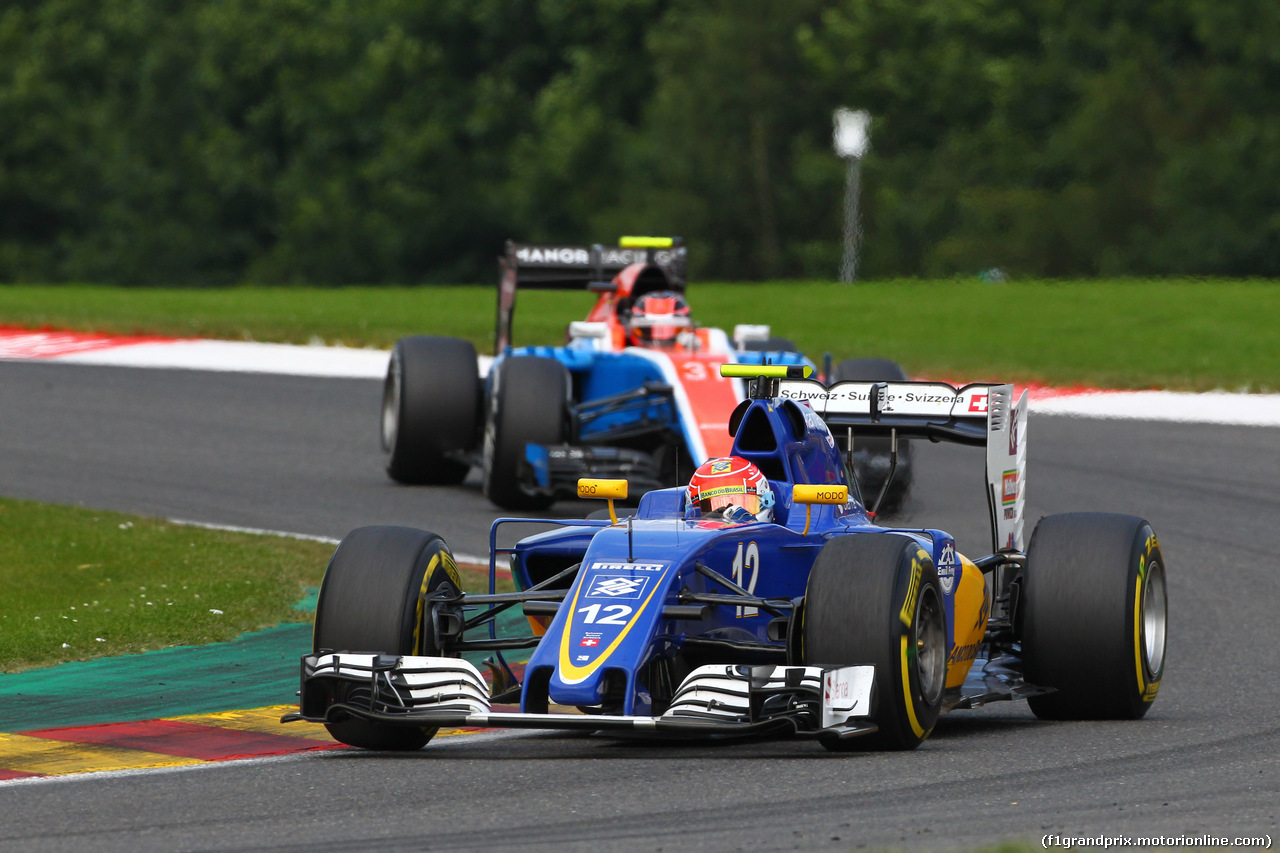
<point x="875" y="599"/>
<point x="372" y="602"/>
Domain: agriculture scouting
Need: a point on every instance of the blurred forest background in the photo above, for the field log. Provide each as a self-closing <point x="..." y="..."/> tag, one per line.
<point x="207" y="142"/>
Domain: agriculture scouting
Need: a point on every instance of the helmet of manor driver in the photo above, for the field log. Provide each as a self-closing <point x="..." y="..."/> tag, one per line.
<point x="657" y="318"/>
<point x="728" y="486"/>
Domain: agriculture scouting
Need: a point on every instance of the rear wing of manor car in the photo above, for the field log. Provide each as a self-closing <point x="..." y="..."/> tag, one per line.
<point x="977" y="414"/>
<point x="558" y="267"/>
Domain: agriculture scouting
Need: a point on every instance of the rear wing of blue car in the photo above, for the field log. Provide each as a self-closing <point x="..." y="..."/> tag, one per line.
<point x="553" y="266"/>
<point x="977" y="414"/>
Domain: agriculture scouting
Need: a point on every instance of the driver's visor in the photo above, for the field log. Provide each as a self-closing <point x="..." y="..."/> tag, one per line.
<point x="675" y="321"/>
<point x="747" y="500"/>
<point x="657" y="332"/>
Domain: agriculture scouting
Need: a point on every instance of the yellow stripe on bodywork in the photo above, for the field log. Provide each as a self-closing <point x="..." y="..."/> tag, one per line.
<point x="971" y="609"/>
<point x="47" y="757"/>
<point x="571" y="674"/>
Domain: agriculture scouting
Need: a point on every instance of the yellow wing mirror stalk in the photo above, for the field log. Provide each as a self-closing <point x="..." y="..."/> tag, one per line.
<point x="610" y="490"/>
<point x="810" y="495"/>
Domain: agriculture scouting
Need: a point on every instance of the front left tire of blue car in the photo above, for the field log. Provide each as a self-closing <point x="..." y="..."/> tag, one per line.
<point x="372" y="601"/>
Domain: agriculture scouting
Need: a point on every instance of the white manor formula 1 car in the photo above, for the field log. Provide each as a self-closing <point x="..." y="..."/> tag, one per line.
<point x="633" y="392"/>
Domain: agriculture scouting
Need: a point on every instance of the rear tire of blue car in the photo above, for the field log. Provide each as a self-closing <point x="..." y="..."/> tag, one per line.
<point x="371" y="601"/>
<point x="528" y="404"/>
<point x="430" y="409"/>
<point x="1094" y="614"/>
<point x="875" y="599"/>
<point x="871" y="455"/>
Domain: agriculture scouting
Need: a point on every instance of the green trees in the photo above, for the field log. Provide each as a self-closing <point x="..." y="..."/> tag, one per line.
<point x="212" y="141"/>
<point x="1068" y="137"/>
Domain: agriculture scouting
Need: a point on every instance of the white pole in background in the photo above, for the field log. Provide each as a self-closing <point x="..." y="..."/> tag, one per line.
<point x="852" y="138"/>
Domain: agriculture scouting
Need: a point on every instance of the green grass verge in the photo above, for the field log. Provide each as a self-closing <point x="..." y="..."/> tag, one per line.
<point x="81" y="584"/>
<point x="1182" y="334"/>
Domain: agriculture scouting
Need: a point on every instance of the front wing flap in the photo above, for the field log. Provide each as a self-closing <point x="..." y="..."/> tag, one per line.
<point x="996" y="680"/>
<point x="718" y="699"/>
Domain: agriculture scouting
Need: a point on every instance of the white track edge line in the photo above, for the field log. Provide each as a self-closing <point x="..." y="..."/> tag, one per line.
<point x="465" y="559"/>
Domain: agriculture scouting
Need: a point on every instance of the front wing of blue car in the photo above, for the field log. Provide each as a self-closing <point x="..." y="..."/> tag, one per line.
<point x="719" y="699"/>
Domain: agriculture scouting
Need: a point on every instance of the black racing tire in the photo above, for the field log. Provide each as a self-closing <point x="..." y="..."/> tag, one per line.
<point x="430" y="408"/>
<point x="871" y="455"/>
<point x="770" y="345"/>
<point x="875" y="599"/>
<point x="528" y="404"/>
<point x="1094" y="616"/>
<point x="371" y="602"/>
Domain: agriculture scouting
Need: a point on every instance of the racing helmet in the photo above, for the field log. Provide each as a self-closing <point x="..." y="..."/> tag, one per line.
<point x="658" y="318"/>
<point x="729" y="486"/>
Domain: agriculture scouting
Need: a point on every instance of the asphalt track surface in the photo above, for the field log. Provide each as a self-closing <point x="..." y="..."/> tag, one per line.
<point x="301" y="454"/>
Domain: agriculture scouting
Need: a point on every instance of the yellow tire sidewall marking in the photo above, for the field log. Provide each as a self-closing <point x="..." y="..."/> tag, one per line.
<point x="907" y="616"/>
<point x="1148" y="691"/>
<point x="907" y="699"/>
<point x="913" y="589"/>
<point x="442" y="560"/>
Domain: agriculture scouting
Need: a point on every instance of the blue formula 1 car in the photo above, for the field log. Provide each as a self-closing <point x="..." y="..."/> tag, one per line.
<point x="815" y="623"/>
<point x="634" y="392"/>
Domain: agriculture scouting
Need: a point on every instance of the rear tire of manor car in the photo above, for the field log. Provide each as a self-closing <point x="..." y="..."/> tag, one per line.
<point x="871" y="456"/>
<point x="1094" y="615"/>
<point x="430" y="409"/>
<point x="528" y="404"/>
<point x="874" y="599"/>
<point x="371" y="602"/>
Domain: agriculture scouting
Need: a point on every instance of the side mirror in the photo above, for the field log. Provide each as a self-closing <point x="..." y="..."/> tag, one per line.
<point x="810" y="495"/>
<point x="610" y="490"/>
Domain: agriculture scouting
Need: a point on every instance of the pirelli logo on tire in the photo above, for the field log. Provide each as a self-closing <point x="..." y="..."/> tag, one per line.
<point x="445" y="561"/>
<point x="913" y="589"/>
